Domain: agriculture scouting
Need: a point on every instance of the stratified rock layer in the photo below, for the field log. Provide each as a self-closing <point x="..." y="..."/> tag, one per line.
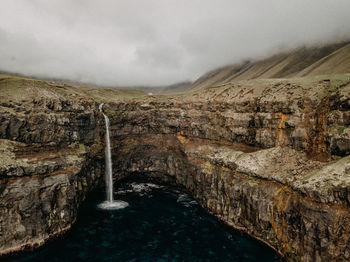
<point x="50" y="158"/>
<point x="266" y="157"/>
<point x="37" y="207"/>
<point x="261" y="192"/>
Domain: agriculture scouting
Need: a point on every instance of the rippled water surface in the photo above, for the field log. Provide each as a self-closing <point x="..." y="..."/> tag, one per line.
<point x="158" y="225"/>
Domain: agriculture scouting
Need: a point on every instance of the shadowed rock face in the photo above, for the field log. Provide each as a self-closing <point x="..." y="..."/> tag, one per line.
<point x="247" y="192"/>
<point x="38" y="207"/>
<point x="249" y="152"/>
<point x="45" y="176"/>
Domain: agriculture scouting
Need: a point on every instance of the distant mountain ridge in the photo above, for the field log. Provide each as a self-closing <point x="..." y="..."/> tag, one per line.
<point x="303" y="61"/>
<point x="299" y="62"/>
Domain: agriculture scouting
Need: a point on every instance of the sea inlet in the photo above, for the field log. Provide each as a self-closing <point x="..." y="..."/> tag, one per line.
<point x="159" y="224"/>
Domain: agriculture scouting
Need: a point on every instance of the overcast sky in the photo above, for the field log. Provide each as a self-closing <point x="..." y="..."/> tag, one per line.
<point x="155" y="42"/>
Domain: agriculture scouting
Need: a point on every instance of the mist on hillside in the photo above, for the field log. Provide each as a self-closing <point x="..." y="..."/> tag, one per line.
<point x="157" y="42"/>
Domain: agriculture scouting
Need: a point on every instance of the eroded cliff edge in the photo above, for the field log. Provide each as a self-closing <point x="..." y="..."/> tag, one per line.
<point x="267" y="157"/>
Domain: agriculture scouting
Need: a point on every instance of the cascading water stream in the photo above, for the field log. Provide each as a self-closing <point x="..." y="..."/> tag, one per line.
<point x="108" y="172"/>
<point x="109" y="203"/>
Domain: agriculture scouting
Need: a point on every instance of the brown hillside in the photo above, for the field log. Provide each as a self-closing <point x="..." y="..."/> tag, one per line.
<point x="337" y="62"/>
<point x="304" y="61"/>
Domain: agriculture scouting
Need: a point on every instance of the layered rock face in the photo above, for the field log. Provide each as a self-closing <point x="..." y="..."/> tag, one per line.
<point x="272" y="194"/>
<point x="310" y="117"/>
<point x="51" y="156"/>
<point x="257" y="157"/>
<point x="41" y="203"/>
<point x="266" y="157"/>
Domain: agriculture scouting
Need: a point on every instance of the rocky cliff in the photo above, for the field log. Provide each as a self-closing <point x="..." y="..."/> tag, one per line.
<point x="269" y="157"/>
<point x="50" y="159"/>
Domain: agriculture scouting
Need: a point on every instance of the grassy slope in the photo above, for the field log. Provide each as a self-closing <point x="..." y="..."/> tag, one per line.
<point x="19" y="89"/>
<point x="330" y="59"/>
<point x="16" y="89"/>
<point x="310" y="86"/>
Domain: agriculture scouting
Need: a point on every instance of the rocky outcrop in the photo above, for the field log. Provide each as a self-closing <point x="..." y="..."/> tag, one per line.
<point x="41" y="191"/>
<point x="270" y="193"/>
<point x="50" y="158"/>
<point x="304" y="115"/>
<point x="268" y="157"/>
<point x="52" y="120"/>
<point x="261" y="156"/>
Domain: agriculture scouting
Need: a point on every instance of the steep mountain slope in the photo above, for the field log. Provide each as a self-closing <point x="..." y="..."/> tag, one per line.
<point x="304" y="61"/>
<point x="337" y="62"/>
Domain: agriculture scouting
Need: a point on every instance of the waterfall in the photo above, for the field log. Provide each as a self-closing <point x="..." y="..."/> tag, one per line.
<point x="109" y="203"/>
<point x="108" y="171"/>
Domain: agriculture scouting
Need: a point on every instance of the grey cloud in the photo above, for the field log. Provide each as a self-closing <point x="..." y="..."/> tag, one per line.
<point x="155" y="42"/>
<point x="162" y="55"/>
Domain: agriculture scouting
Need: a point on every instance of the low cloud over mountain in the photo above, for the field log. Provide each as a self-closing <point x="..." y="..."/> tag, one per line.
<point x="157" y="42"/>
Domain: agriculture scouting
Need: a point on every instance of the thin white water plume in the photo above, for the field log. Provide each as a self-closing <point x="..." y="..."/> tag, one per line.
<point x="109" y="203"/>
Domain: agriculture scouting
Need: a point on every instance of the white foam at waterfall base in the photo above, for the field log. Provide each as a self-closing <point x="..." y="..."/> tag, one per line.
<point x="110" y="203"/>
<point x="116" y="204"/>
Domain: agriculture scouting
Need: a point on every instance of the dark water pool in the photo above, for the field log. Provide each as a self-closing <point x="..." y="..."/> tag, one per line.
<point x="158" y="225"/>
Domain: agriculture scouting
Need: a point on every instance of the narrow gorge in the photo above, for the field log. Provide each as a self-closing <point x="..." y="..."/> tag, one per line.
<point x="267" y="157"/>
